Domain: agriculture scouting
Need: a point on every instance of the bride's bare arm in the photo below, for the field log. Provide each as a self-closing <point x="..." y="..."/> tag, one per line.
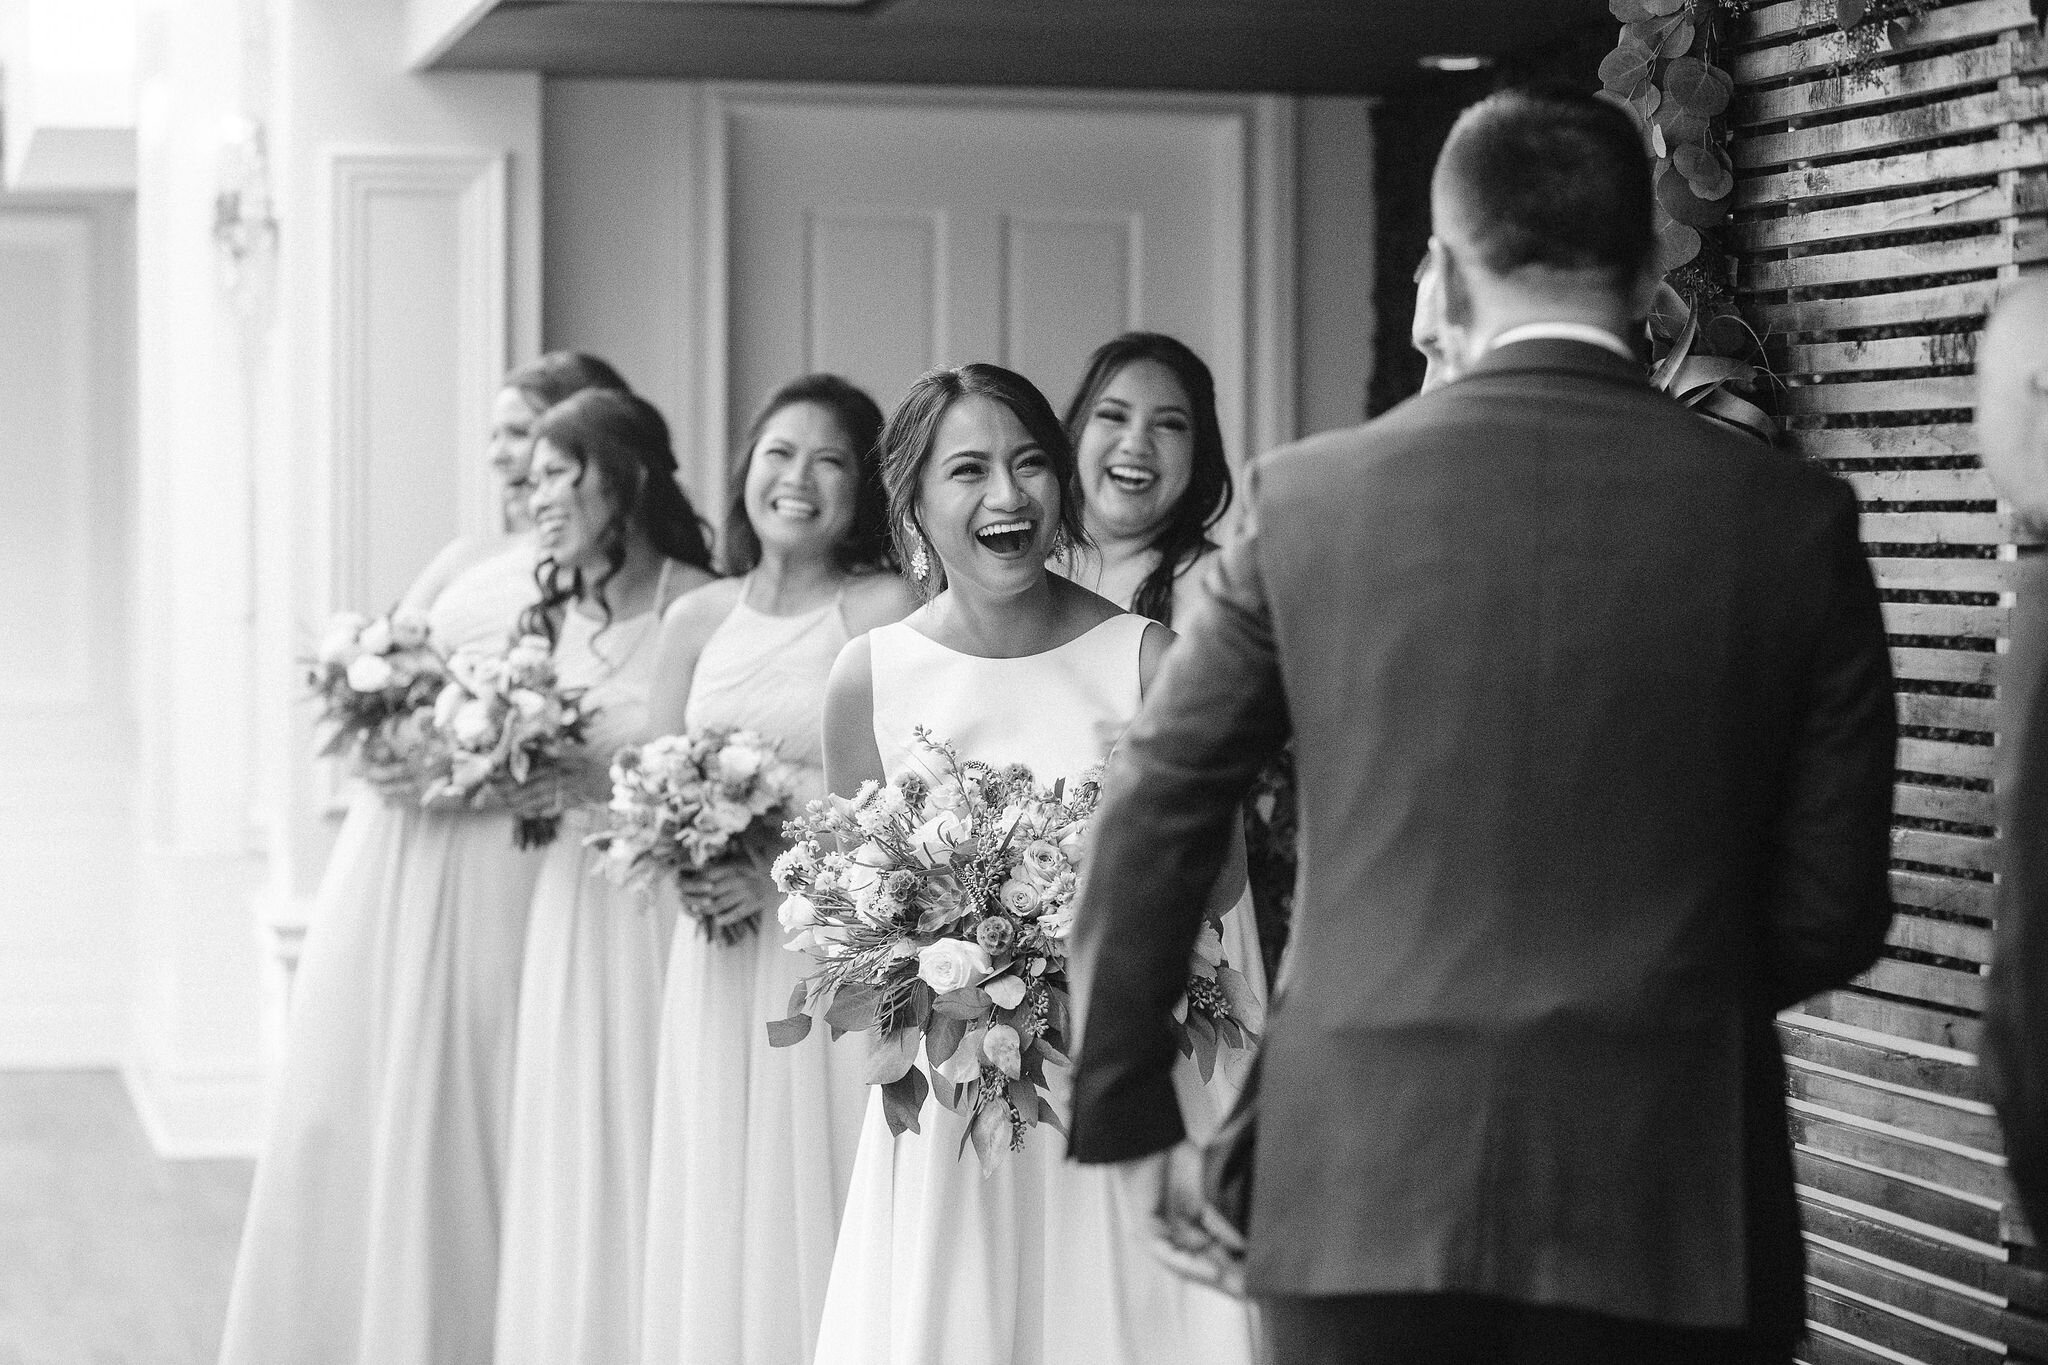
<point x="851" y="755"/>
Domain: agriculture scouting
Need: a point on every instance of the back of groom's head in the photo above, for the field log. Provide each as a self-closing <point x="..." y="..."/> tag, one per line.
<point x="1549" y="179"/>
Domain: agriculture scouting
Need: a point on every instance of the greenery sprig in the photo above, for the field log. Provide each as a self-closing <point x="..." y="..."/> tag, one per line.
<point x="1664" y="71"/>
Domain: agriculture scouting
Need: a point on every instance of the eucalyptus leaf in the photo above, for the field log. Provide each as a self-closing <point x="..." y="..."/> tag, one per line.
<point x="890" y="1055"/>
<point x="943" y="1038"/>
<point x="1898" y="34"/>
<point x="1665" y="6"/>
<point x="991" y="1135"/>
<point x="1677" y="245"/>
<point x="1681" y="128"/>
<point x="1651" y="32"/>
<point x="1848" y="14"/>
<point x="1682" y="203"/>
<point x="969" y="1002"/>
<point x="1658" y="143"/>
<point x="1627" y="67"/>
<point x="1646" y="101"/>
<point x="1629" y="11"/>
<point x="789" y="1032"/>
<point x="1678" y="41"/>
<point x="1705" y="169"/>
<point x="853" y="1008"/>
<point x="902" y="1098"/>
<point x="1697" y="87"/>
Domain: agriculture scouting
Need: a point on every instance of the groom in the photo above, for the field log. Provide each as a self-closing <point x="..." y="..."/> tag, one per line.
<point x="1592" y="712"/>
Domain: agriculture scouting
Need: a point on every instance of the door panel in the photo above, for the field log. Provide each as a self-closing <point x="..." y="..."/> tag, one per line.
<point x="879" y="235"/>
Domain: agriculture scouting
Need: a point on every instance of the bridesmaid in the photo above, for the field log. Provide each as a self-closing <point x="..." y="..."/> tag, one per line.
<point x="1154" y="483"/>
<point x="372" y="1232"/>
<point x="753" y="1145"/>
<point x="619" y="541"/>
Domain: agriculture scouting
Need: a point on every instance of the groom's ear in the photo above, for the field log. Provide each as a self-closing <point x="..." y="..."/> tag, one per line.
<point x="1456" y="291"/>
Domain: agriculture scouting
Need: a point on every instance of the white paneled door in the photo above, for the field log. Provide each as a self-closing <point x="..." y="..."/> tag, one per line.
<point x="881" y="234"/>
<point x="67" y="760"/>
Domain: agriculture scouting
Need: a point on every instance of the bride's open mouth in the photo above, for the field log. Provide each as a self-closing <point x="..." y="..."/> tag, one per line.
<point x="1007" y="538"/>
<point x="1132" y="478"/>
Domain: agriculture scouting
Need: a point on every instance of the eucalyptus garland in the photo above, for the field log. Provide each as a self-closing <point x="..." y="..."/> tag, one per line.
<point x="1665" y="72"/>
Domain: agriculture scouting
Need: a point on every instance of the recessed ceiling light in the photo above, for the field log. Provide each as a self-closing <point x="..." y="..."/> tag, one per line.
<point x="1454" y="61"/>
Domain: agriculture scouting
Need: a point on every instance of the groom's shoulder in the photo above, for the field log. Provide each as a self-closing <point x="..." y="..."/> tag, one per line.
<point x="1347" y="452"/>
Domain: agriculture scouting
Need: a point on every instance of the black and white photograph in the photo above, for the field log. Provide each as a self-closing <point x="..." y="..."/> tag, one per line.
<point x="1023" y="682"/>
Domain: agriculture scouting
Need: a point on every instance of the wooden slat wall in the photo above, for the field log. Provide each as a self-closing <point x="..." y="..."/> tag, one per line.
<point x="1877" y="218"/>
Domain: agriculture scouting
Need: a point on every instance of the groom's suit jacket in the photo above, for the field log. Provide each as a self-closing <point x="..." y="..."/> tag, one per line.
<point x="1592" y="711"/>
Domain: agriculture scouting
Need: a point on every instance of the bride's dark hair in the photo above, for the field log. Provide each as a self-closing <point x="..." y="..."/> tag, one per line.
<point x="914" y="427"/>
<point x="624" y="441"/>
<point x="1183" y="536"/>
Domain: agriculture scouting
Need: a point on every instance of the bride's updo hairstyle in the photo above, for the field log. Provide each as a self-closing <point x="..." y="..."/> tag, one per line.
<point x="622" y="441"/>
<point x="866" y="544"/>
<point x="914" y="429"/>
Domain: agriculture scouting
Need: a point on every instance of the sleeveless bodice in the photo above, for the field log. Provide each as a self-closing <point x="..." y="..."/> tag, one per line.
<point x="1059" y="712"/>
<point x="616" y="663"/>
<point x="767" y="674"/>
<point x="480" y="606"/>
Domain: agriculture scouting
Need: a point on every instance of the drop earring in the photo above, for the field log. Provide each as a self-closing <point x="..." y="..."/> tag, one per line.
<point x="920" y="562"/>
<point x="1059" y="543"/>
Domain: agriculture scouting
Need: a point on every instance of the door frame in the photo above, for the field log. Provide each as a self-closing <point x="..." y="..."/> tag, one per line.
<point x="1264" y="128"/>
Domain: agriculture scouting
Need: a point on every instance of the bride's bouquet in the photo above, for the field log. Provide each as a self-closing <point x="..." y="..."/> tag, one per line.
<point x="684" y="803"/>
<point x="375" y="680"/>
<point x="514" y="737"/>
<point x="945" y="928"/>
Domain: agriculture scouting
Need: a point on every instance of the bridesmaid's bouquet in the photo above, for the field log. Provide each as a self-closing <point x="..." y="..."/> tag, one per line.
<point x="945" y="928"/>
<point x="375" y="680"/>
<point x="683" y="803"/>
<point x="514" y="737"/>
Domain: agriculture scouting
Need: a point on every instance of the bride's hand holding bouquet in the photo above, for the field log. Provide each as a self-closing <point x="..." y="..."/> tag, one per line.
<point x="704" y="811"/>
<point x="375" y="680"/>
<point x="514" y="738"/>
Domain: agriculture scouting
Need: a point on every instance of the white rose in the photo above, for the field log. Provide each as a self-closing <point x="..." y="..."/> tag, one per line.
<point x="796" y="912"/>
<point x="338" y="645"/>
<point x="409" y="629"/>
<point x="951" y="964"/>
<point x="798" y="860"/>
<point x="731" y="816"/>
<point x="369" y="673"/>
<point x="376" y="637"/>
<point x="1006" y="991"/>
<point x="473" y="726"/>
<point x="738" y="762"/>
<point x="1209" y="945"/>
<point x="447" y="704"/>
<point x="1018" y="896"/>
<point x="527" y="702"/>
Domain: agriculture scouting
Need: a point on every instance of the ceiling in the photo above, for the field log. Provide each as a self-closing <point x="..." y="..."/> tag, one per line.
<point x="1307" y="46"/>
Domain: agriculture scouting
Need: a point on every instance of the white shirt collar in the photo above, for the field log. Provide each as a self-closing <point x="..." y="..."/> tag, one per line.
<point x="1564" y="331"/>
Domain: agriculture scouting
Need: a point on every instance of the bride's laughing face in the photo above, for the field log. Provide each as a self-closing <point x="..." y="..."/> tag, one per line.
<point x="988" y="498"/>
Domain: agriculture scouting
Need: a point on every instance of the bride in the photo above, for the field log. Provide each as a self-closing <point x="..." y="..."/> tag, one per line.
<point x="1043" y="1261"/>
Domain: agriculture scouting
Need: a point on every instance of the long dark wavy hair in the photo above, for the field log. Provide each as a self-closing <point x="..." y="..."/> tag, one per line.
<point x="548" y="379"/>
<point x="1183" y="536"/>
<point x="866" y="544"/>
<point x="914" y="428"/>
<point x="624" y="441"/>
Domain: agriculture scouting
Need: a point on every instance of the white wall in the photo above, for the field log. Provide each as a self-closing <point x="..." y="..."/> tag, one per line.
<point x="312" y="431"/>
<point x="626" y="191"/>
<point x="67" y="734"/>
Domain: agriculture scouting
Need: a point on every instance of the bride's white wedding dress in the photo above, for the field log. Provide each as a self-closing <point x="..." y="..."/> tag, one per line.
<point x="1039" y="1263"/>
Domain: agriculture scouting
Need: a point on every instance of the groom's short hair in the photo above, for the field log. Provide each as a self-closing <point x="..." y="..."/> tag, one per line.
<point x="1549" y="177"/>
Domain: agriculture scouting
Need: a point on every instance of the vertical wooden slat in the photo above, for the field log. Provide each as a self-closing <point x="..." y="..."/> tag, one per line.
<point x="1879" y="217"/>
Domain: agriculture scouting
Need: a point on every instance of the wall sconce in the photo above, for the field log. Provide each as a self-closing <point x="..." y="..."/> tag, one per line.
<point x="244" y="226"/>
